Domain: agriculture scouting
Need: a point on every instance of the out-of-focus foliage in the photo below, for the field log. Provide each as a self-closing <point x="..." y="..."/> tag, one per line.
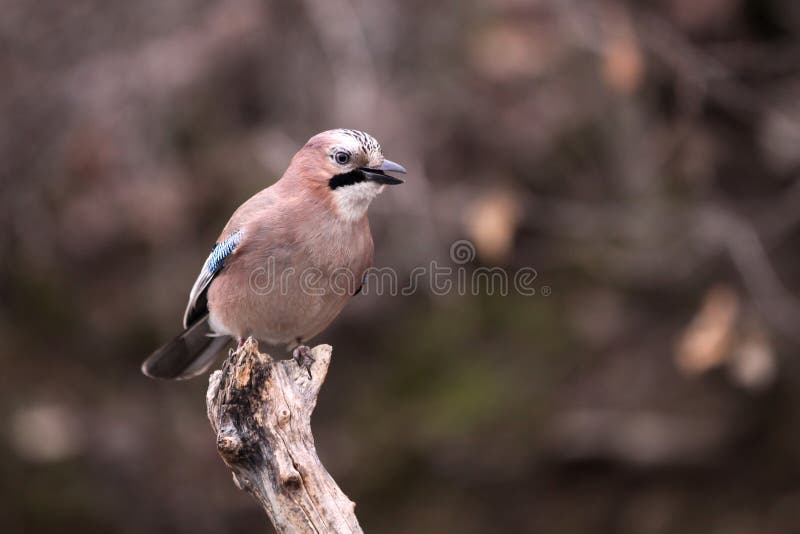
<point x="641" y="156"/>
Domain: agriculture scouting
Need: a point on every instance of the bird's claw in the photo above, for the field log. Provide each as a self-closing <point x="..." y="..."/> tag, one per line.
<point x="302" y="355"/>
<point x="234" y="350"/>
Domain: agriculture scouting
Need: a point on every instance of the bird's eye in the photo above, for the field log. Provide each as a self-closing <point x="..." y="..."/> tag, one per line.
<point x="341" y="157"/>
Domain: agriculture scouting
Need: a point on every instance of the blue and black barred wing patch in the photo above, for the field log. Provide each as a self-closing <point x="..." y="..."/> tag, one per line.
<point x="198" y="303"/>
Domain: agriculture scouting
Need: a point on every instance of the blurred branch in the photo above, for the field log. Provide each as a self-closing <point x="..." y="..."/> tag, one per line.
<point x="747" y="252"/>
<point x="260" y="410"/>
<point x="678" y="243"/>
<point x="341" y="33"/>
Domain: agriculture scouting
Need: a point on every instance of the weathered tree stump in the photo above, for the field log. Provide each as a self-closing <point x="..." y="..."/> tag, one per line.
<point x="260" y="410"/>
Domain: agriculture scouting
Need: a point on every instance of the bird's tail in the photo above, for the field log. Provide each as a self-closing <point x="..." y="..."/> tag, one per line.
<point x="189" y="354"/>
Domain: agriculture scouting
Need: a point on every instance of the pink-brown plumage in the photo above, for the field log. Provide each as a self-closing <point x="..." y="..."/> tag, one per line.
<point x="302" y="248"/>
<point x="259" y="294"/>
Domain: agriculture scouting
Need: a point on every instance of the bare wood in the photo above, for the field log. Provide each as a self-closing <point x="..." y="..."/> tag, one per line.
<point x="260" y="410"/>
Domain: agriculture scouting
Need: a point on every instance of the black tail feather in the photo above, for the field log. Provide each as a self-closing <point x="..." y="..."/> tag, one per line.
<point x="186" y="356"/>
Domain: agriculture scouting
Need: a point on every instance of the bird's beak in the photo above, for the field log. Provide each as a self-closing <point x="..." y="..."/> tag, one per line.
<point x="378" y="174"/>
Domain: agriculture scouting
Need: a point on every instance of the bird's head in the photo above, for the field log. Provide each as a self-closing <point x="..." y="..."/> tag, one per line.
<point x="349" y="167"/>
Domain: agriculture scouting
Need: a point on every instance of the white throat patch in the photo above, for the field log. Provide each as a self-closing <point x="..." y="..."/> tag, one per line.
<point x="352" y="201"/>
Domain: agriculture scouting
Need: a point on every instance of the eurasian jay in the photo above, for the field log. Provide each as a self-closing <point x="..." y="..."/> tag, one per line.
<point x="289" y="258"/>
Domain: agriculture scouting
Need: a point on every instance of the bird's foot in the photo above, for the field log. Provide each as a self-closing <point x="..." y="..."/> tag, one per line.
<point x="239" y="343"/>
<point x="302" y="355"/>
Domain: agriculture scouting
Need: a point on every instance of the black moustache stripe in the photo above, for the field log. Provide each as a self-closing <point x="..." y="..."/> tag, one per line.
<point x="348" y="178"/>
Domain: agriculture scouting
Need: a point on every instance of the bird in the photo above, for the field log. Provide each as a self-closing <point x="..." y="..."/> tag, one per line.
<point x="288" y="259"/>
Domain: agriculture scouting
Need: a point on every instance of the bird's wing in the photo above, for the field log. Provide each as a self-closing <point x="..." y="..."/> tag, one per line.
<point x="198" y="301"/>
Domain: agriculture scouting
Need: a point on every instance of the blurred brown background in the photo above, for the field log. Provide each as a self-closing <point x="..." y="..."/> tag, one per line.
<point x="641" y="156"/>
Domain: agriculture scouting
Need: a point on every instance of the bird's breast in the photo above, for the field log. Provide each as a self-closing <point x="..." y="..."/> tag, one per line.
<point x="283" y="288"/>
